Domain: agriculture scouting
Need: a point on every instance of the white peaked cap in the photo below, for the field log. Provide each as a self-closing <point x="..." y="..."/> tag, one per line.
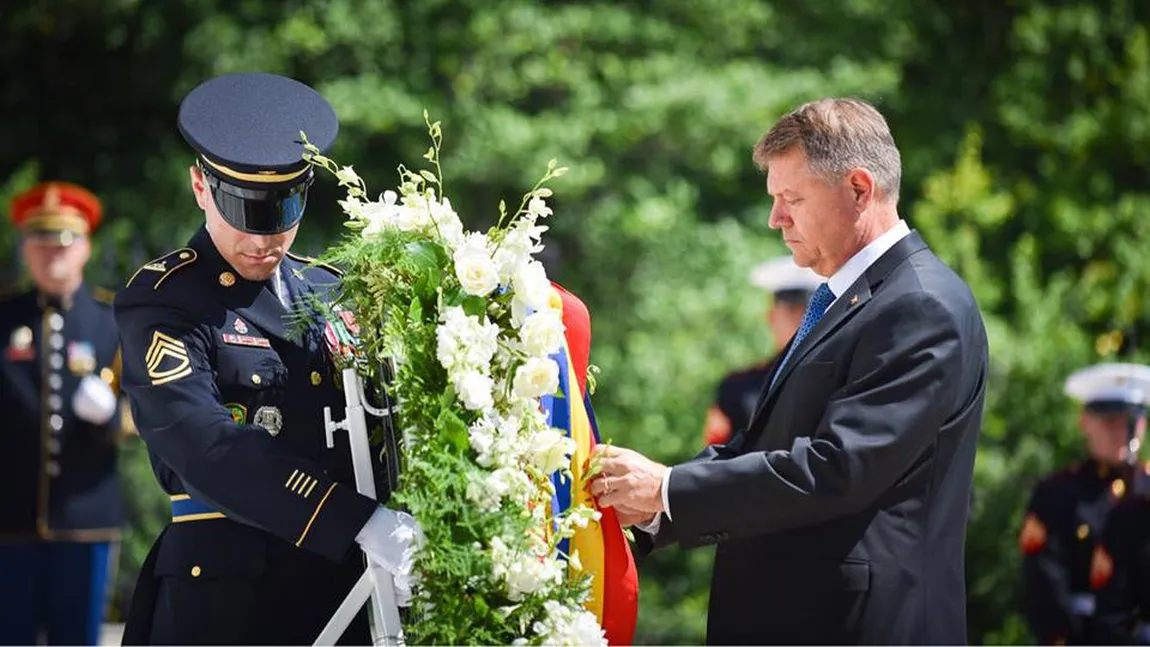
<point x="1111" y="382"/>
<point x="781" y="273"/>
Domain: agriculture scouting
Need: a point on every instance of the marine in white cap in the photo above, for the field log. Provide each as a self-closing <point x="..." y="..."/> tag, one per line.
<point x="1070" y="510"/>
<point x="789" y="287"/>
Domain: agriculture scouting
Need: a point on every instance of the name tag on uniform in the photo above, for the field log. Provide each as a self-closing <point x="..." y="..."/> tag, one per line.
<point x="246" y="340"/>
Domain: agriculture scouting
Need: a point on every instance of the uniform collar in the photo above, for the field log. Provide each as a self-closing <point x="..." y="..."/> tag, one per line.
<point x="65" y="303"/>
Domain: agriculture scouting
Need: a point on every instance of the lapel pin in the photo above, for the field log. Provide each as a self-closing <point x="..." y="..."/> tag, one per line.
<point x="227" y="279"/>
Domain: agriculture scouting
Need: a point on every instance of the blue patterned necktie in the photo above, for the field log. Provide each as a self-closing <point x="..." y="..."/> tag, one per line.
<point x="816" y="307"/>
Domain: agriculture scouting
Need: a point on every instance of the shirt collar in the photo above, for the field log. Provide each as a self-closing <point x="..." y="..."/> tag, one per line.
<point x="842" y="280"/>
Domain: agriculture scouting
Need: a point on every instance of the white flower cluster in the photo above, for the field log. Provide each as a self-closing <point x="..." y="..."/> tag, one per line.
<point x="567" y="626"/>
<point x="501" y="373"/>
<point x="527" y="572"/>
<point x="465" y="346"/>
<point x="414" y="210"/>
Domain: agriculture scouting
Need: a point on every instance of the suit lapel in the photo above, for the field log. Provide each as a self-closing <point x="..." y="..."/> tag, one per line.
<point x="839" y="313"/>
<point x="843" y="309"/>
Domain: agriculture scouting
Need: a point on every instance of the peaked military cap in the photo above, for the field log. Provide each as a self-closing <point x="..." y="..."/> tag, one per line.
<point x="246" y="129"/>
<point x="786" y="280"/>
<point x="60" y="210"/>
<point x="1110" y="387"/>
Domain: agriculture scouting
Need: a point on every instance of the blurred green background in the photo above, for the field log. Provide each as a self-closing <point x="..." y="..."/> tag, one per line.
<point x="1024" y="127"/>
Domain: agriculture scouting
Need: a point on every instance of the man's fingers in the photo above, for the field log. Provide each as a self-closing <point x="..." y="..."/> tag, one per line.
<point x="597" y="486"/>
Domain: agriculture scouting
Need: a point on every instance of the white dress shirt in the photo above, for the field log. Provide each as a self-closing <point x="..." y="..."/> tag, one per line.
<point x="839" y="283"/>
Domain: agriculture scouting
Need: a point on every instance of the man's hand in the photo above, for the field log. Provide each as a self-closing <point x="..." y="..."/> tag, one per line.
<point x="629" y="482"/>
<point x="630" y="517"/>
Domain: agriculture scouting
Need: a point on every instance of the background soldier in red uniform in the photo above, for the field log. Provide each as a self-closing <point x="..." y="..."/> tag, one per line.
<point x="1070" y="509"/>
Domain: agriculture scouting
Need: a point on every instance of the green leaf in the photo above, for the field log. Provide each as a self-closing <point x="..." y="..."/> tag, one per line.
<point x="452" y="429"/>
<point x="415" y="312"/>
<point x="475" y="306"/>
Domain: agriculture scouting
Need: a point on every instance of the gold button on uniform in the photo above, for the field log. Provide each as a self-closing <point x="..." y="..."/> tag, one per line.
<point x="185" y="256"/>
<point x="1118" y="488"/>
<point x="227" y="279"/>
<point x="256" y="379"/>
<point x="196" y="571"/>
<point x="1083" y="531"/>
<point x="316" y="378"/>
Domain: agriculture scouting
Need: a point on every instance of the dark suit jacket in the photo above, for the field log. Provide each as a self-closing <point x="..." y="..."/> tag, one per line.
<point x="840" y="514"/>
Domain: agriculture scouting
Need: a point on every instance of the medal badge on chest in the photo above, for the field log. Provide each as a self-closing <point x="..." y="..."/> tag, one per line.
<point x="341" y="334"/>
<point x="81" y="357"/>
<point x="270" y="419"/>
<point x="241" y="337"/>
<point x="20" y="345"/>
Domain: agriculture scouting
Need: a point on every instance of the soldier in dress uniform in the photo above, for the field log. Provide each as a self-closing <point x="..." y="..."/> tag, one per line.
<point x="228" y="386"/>
<point x="1120" y="566"/>
<point x="61" y="506"/>
<point x="790" y="288"/>
<point x="1070" y="510"/>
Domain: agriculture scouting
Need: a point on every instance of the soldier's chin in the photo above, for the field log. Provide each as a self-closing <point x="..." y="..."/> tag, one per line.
<point x="58" y="271"/>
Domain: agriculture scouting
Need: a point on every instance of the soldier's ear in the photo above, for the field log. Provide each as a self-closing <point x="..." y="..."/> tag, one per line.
<point x="199" y="187"/>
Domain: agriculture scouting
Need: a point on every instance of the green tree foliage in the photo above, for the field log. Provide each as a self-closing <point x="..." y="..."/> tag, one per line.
<point x="1022" y="124"/>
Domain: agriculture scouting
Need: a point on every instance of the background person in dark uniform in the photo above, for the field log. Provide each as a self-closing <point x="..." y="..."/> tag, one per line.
<point x="229" y="397"/>
<point x="61" y="505"/>
<point x="1069" y="510"/>
<point x="790" y="288"/>
<point x="1120" y="572"/>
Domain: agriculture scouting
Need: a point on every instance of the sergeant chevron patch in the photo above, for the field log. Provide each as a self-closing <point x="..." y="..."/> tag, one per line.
<point x="167" y="359"/>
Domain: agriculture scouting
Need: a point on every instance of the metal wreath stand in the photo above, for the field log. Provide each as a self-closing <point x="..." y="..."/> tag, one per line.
<point x="375" y="585"/>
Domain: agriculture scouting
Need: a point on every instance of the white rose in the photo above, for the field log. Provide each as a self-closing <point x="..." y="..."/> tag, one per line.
<point x="474" y="390"/>
<point x="542" y="332"/>
<point x="474" y="267"/>
<point x="550" y="450"/>
<point x="531" y="287"/>
<point x="537" y="377"/>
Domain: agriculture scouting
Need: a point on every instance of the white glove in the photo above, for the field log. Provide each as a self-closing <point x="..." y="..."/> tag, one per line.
<point x="94" y="400"/>
<point x="390" y="540"/>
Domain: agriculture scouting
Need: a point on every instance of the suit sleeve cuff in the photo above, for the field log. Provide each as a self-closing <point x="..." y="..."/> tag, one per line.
<point x="666" y="495"/>
<point x="338" y="517"/>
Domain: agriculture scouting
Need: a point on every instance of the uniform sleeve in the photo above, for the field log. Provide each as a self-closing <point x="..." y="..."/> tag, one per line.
<point x="1046" y="574"/>
<point x="169" y="379"/>
<point x="1115" y="572"/>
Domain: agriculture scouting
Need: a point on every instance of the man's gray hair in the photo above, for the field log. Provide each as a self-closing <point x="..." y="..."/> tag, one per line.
<point x="837" y="135"/>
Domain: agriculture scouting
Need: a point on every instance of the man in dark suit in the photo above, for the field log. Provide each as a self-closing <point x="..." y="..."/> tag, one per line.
<point x="229" y="395"/>
<point x="840" y="514"/>
<point x="61" y="504"/>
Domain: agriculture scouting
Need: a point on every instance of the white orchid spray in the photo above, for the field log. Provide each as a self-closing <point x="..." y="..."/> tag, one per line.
<point x="471" y="317"/>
